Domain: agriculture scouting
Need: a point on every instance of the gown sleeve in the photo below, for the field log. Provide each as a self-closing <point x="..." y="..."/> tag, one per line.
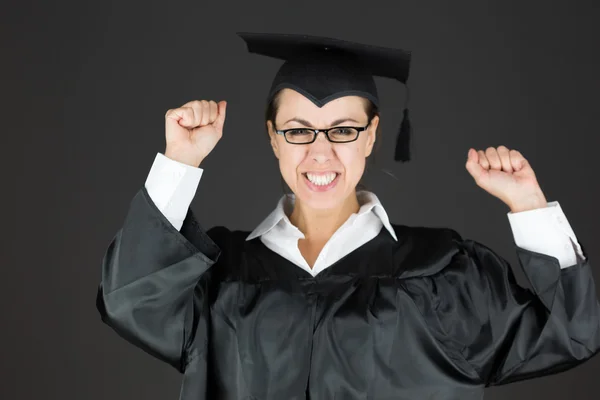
<point x="508" y="333"/>
<point x="151" y="291"/>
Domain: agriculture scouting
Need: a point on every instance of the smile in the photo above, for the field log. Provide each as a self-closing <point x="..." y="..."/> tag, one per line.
<point x="321" y="182"/>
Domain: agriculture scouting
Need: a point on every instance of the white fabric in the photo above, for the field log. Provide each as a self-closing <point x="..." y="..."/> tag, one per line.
<point x="546" y="230"/>
<point x="172" y="186"/>
<point x="279" y="235"/>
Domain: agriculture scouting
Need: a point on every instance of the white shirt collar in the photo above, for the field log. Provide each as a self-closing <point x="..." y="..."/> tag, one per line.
<point x="368" y="202"/>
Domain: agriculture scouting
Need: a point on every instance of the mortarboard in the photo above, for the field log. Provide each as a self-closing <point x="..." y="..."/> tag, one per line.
<point x="324" y="69"/>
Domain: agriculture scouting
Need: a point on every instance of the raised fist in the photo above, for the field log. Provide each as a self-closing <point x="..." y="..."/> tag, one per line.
<point x="193" y="130"/>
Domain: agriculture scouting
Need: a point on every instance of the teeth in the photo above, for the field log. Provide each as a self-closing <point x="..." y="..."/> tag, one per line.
<point x="321" y="180"/>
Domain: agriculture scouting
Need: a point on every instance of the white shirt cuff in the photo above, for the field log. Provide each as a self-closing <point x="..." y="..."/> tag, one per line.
<point x="172" y="186"/>
<point x="547" y="231"/>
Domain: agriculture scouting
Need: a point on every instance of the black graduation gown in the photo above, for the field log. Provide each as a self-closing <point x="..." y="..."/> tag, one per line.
<point x="431" y="316"/>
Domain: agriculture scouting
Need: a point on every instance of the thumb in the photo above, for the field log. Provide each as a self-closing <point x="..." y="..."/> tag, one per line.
<point x="473" y="166"/>
<point x="220" y="121"/>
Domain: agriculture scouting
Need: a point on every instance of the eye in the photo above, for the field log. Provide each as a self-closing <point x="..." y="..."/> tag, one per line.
<point x="300" y="132"/>
<point x="343" y="131"/>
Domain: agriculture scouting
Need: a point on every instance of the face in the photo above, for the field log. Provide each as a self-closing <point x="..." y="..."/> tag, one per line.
<point x="307" y="167"/>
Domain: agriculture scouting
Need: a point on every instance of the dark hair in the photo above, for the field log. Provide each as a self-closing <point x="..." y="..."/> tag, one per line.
<point x="371" y="110"/>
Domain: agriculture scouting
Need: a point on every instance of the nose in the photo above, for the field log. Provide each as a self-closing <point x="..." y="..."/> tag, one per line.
<point x="321" y="150"/>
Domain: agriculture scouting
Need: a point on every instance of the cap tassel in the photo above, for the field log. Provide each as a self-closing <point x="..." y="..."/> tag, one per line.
<point x="403" y="141"/>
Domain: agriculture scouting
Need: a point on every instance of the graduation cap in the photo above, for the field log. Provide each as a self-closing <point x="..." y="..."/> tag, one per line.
<point x="324" y="69"/>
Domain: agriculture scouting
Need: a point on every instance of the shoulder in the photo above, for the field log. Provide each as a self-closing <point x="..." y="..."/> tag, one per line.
<point x="425" y="251"/>
<point x="427" y="236"/>
<point x="227" y="238"/>
<point x="232" y="244"/>
<point x="444" y="257"/>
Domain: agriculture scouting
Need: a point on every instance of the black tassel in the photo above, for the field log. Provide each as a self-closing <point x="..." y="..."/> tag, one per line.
<point x="403" y="141"/>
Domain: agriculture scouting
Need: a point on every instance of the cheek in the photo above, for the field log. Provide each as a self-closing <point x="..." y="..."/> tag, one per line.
<point x="289" y="160"/>
<point x="353" y="159"/>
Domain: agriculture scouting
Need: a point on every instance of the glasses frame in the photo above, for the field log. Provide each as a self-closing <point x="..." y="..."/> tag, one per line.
<point x="325" y="131"/>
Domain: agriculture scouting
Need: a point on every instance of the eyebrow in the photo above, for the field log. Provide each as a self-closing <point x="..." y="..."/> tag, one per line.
<point x="308" y="124"/>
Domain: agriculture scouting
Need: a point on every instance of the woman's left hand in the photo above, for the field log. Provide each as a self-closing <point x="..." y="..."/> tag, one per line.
<point x="507" y="175"/>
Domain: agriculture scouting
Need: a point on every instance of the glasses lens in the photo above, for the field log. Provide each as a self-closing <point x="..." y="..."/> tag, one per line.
<point x="343" y="134"/>
<point x="299" y="135"/>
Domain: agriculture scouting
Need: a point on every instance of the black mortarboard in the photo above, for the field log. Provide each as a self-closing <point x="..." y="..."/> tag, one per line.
<point x="323" y="69"/>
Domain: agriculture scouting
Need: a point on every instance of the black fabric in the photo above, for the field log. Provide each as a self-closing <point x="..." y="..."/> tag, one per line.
<point x="323" y="69"/>
<point x="429" y="316"/>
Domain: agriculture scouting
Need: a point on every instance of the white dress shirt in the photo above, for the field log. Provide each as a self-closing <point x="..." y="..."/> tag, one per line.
<point x="172" y="186"/>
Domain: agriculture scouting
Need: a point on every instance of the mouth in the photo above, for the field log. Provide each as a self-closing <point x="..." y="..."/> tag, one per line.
<point x="321" y="182"/>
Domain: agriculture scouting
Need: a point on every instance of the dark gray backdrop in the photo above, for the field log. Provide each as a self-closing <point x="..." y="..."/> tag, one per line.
<point x="84" y="92"/>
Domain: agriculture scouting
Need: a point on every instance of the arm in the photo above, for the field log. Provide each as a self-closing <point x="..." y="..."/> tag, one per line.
<point x="503" y="331"/>
<point x="508" y="333"/>
<point x="152" y="292"/>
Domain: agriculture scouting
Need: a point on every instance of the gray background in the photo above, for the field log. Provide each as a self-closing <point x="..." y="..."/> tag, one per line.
<point x="84" y="90"/>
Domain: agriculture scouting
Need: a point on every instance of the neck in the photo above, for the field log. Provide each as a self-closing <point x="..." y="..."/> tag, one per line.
<point x="318" y="225"/>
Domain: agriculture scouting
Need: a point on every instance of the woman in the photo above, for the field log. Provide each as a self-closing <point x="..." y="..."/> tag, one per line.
<point x="326" y="299"/>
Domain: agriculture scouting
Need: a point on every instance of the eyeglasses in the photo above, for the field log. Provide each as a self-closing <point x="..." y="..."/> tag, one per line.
<point x="338" y="134"/>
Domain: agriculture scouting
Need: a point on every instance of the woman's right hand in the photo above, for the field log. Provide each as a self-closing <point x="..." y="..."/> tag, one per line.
<point x="193" y="130"/>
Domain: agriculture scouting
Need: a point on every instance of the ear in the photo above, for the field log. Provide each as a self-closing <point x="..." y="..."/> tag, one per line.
<point x="371" y="135"/>
<point x="273" y="138"/>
